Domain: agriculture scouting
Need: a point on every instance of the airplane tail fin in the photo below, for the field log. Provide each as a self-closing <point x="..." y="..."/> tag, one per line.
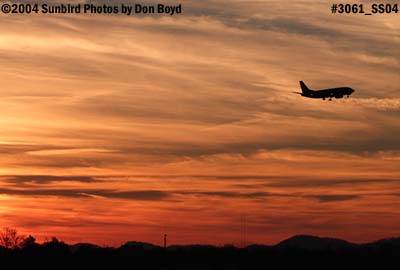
<point x="304" y="87"/>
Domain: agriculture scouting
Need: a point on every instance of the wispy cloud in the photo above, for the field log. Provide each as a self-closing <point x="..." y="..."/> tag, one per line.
<point x="151" y="195"/>
<point x="334" y="198"/>
<point x="193" y="117"/>
<point x="47" y="179"/>
<point x="383" y="104"/>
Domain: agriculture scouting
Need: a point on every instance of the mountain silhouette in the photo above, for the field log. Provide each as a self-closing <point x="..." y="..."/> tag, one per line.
<point x="311" y="252"/>
<point x="190" y="247"/>
<point x="139" y="245"/>
<point x="385" y="243"/>
<point x="79" y="247"/>
<point x="310" y="242"/>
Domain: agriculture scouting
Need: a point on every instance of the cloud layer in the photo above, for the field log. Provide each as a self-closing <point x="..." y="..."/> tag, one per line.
<point x="126" y="126"/>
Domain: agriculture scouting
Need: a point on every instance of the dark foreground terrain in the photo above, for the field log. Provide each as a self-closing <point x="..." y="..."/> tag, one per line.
<point x="298" y="251"/>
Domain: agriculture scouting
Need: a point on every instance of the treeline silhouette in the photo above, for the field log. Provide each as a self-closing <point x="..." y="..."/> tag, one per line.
<point x="298" y="251"/>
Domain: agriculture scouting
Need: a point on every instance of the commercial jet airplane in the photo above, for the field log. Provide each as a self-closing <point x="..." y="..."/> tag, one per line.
<point x="325" y="93"/>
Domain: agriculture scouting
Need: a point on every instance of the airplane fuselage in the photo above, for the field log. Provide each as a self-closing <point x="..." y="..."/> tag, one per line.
<point x="325" y="93"/>
<point x="329" y="93"/>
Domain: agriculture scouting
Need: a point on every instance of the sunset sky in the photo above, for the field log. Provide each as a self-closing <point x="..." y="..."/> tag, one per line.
<point x="117" y="128"/>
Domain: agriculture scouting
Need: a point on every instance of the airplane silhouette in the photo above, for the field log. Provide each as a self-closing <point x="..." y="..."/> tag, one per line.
<point x="325" y="93"/>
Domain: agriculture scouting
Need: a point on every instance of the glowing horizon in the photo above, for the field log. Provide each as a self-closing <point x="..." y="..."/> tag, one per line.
<point x="123" y="128"/>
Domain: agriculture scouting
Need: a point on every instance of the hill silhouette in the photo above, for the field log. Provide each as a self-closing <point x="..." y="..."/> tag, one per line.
<point x="139" y="245"/>
<point x="300" y="250"/>
<point x="310" y="242"/>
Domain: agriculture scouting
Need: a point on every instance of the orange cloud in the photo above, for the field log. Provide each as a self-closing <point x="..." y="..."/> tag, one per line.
<point x="117" y="128"/>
